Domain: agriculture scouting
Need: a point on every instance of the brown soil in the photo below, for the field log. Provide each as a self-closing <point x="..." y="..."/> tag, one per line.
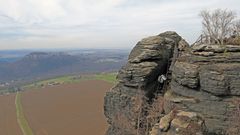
<point x="8" y="116"/>
<point x="67" y="109"/>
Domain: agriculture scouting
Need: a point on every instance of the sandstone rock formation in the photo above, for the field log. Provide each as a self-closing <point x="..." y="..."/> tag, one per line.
<point x="148" y="59"/>
<point x="207" y="85"/>
<point x="202" y="83"/>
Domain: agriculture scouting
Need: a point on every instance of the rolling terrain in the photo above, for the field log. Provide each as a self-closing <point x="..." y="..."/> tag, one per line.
<point x="35" y="66"/>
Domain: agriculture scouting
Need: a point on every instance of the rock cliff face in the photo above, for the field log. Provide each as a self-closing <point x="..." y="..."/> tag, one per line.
<point x="207" y="84"/>
<point x="202" y="83"/>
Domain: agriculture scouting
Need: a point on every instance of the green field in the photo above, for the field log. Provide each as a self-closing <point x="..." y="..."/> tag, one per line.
<point x="22" y="121"/>
<point x="109" y="77"/>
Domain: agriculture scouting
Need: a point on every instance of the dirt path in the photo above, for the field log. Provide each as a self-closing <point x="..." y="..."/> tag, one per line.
<point x="22" y="121"/>
<point x="68" y="109"/>
<point x="8" y="117"/>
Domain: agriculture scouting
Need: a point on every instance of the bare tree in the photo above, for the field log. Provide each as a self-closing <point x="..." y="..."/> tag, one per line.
<point x="217" y="24"/>
<point x="236" y="28"/>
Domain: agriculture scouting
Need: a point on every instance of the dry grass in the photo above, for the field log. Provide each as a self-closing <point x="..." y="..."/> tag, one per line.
<point x="234" y="41"/>
<point x="155" y="112"/>
<point x="123" y="125"/>
<point x="234" y="128"/>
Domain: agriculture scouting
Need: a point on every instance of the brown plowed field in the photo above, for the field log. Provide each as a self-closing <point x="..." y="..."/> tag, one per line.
<point x="67" y="109"/>
<point x="8" y="116"/>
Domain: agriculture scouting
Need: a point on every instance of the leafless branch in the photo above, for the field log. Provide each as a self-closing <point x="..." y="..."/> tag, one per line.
<point x="217" y="24"/>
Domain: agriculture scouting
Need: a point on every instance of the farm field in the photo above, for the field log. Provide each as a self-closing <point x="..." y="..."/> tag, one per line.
<point x="66" y="109"/>
<point x="8" y="117"/>
<point x="109" y="77"/>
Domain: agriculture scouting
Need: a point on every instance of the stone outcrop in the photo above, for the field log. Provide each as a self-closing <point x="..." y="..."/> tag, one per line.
<point x="204" y="80"/>
<point x="207" y="84"/>
<point x="148" y="59"/>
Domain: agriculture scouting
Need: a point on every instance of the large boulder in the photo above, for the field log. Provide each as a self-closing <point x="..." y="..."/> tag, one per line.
<point x="179" y="122"/>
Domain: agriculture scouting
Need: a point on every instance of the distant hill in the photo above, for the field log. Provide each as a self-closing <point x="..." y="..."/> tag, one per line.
<point x="40" y="65"/>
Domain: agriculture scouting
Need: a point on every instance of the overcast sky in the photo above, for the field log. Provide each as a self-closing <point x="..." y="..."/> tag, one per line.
<point x="98" y="23"/>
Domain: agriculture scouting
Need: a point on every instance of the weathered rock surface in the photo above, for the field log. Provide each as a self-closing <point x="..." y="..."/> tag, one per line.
<point x="216" y="48"/>
<point x="205" y="79"/>
<point x="148" y="59"/>
<point x="212" y="81"/>
<point x="180" y="123"/>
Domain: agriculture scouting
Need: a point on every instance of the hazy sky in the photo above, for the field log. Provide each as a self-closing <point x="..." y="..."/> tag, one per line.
<point x="98" y="23"/>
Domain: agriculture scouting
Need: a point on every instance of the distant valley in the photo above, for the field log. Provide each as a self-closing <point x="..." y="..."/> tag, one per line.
<point x="18" y="67"/>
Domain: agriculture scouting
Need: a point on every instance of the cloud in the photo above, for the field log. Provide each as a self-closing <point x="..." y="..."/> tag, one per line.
<point x="94" y="23"/>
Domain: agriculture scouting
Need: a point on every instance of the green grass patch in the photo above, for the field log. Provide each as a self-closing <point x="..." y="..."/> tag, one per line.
<point x="22" y="121"/>
<point x="109" y="77"/>
<point x="59" y="80"/>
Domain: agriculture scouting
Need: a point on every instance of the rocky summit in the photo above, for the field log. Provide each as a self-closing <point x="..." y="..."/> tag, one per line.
<point x="199" y="91"/>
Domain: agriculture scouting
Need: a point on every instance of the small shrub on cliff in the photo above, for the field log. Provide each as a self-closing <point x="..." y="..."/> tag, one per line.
<point x="155" y="112"/>
<point x="122" y="125"/>
<point x="140" y="108"/>
<point x="234" y="41"/>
